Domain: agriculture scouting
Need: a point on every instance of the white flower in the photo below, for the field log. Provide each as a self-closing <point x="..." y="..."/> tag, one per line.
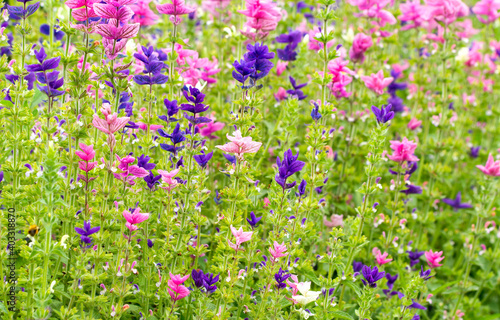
<point x="462" y="55"/>
<point x="307" y="295"/>
<point x="63" y="240"/>
<point x="51" y="288"/>
<point x="305" y="314"/>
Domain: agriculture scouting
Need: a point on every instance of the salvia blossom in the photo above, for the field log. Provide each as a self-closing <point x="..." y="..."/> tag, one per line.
<point x="376" y="82"/>
<point x="256" y="64"/>
<point x="240" y="237"/>
<point x="110" y="124"/>
<point x="176" y="137"/>
<point x="50" y="80"/>
<point x="403" y="150"/>
<point x="306" y="295"/>
<point x="262" y="16"/>
<point x="434" y="258"/>
<point x="175" y="288"/>
<point x="196" y="106"/>
<point x="360" y="45"/>
<point x="487" y="11"/>
<point x="292" y="40"/>
<point x="143" y="15"/>
<point x="492" y="167"/>
<point x="371" y="276"/>
<point x="133" y="218"/>
<point x="281" y="278"/>
<point x="152" y="68"/>
<point x="21" y="13"/>
<point x="381" y="258"/>
<point x="168" y="179"/>
<point x="474" y="151"/>
<point x="414" y="257"/>
<point x="240" y="145"/>
<point x="286" y="168"/>
<point x="457" y="203"/>
<point x="206" y="281"/>
<point x="296" y="89"/>
<point x="336" y="220"/>
<point x="278" y="251"/>
<point x="202" y="159"/>
<point x="384" y="114"/>
<point x="86" y="232"/>
<point x="253" y="220"/>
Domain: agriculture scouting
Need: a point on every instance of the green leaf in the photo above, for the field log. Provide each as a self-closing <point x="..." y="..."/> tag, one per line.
<point x="37" y="98"/>
<point x="6" y="103"/>
<point x="445" y="286"/>
<point x="341" y="315"/>
<point x="354" y="287"/>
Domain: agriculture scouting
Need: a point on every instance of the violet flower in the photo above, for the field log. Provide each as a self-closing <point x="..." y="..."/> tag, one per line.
<point x="196" y="106"/>
<point x="287" y="168"/>
<point x="384" y="114"/>
<point x="371" y="276"/>
<point x="176" y="137"/>
<point x="457" y="203"/>
<point x="296" y="89"/>
<point x="86" y="232"/>
<point x="253" y="220"/>
<point x="152" y="68"/>
<point x="280" y="278"/>
<point x="202" y="159"/>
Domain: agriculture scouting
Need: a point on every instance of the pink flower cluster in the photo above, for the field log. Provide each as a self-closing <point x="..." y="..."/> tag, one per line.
<point x="360" y="44"/>
<point x="403" y="151"/>
<point x="262" y="17"/>
<point x="175" y="288"/>
<point x="110" y="124"/>
<point x="135" y="217"/>
<point x="341" y="77"/>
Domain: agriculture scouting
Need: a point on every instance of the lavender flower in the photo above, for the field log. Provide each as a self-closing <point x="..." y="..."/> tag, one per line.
<point x="287" y="168"/>
<point x="280" y="278"/>
<point x="371" y="276"/>
<point x="384" y="114"/>
<point x="86" y="232"/>
<point x="457" y="203"/>
<point x="152" y="68"/>
<point x="253" y="220"/>
<point x="296" y="89"/>
<point x="202" y="159"/>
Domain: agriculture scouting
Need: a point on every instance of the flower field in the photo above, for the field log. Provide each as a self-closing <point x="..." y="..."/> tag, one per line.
<point x="249" y="159"/>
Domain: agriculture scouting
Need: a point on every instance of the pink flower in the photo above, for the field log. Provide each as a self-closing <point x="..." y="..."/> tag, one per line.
<point x="336" y="220"/>
<point x="182" y="54"/>
<point x="240" y="237"/>
<point x="341" y="79"/>
<point x="411" y="11"/>
<point x="108" y="11"/>
<point x="315" y="44"/>
<point x="360" y="44"/>
<point x="112" y="32"/>
<point x="143" y="14"/>
<point x="111" y="123"/>
<point x="240" y="145"/>
<point x="79" y="13"/>
<point x="488" y="8"/>
<point x="445" y="11"/>
<point x="167" y="178"/>
<point x="376" y="82"/>
<point x="281" y="94"/>
<point x="281" y="67"/>
<point x="175" y="288"/>
<point x="129" y="172"/>
<point x="176" y="8"/>
<point x="492" y="167"/>
<point x="87" y="152"/>
<point x="467" y="29"/>
<point x="414" y="124"/>
<point x="381" y="258"/>
<point x="208" y="129"/>
<point x="263" y="16"/>
<point x="278" y="251"/>
<point x="403" y="151"/>
<point x="434" y="258"/>
<point x="134" y="217"/>
<point x="293" y="284"/>
<point x="215" y="7"/>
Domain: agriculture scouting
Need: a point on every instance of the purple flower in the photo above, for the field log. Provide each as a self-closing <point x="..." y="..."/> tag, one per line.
<point x="86" y="232"/>
<point x="474" y="151"/>
<point x="196" y="105"/>
<point x="172" y="110"/>
<point x="416" y="305"/>
<point x="371" y="276"/>
<point x="384" y="114"/>
<point x="457" y="202"/>
<point x="150" y="243"/>
<point x="45" y="29"/>
<point x="260" y="56"/>
<point x="280" y="278"/>
<point x="253" y="220"/>
<point x="202" y="159"/>
<point x="21" y="13"/>
<point x="152" y="180"/>
<point x="206" y="281"/>
<point x="426" y="275"/>
<point x="152" y="68"/>
<point x="176" y="137"/>
<point x="412" y="190"/>
<point x="142" y="162"/>
<point x="391" y="280"/>
<point x="217" y="198"/>
<point x="315" y="115"/>
<point x="243" y="70"/>
<point x="292" y="39"/>
<point x="414" y="257"/>
<point x="296" y="89"/>
<point x="302" y="188"/>
<point x="286" y="168"/>
<point x="357" y="266"/>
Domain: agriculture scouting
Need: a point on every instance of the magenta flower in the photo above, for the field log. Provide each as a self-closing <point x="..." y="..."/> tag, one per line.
<point x="87" y="152"/>
<point x="79" y="13"/>
<point x="411" y="11"/>
<point x="488" y="8"/>
<point x="445" y="11"/>
<point x="262" y="16"/>
<point x="108" y="11"/>
<point x="381" y="258"/>
<point x="414" y="124"/>
<point x="143" y="14"/>
<point x="492" y="167"/>
<point x="434" y="258"/>
<point x="403" y="150"/>
<point x="336" y="220"/>
<point x="175" y="288"/>
<point x="134" y="217"/>
<point x="208" y="129"/>
<point x="167" y="178"/>
<point x="175" y="9"/>
<point x="376" y="82"/>
<point x="278" y="251"/>
<point x="110" y="124"/>
<point x="129" y="172"/>
<point x="112" y="32"/>
<point x="240" y="237"/>
<point x="360" y="44"/>
<point x="240" y="145"/>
